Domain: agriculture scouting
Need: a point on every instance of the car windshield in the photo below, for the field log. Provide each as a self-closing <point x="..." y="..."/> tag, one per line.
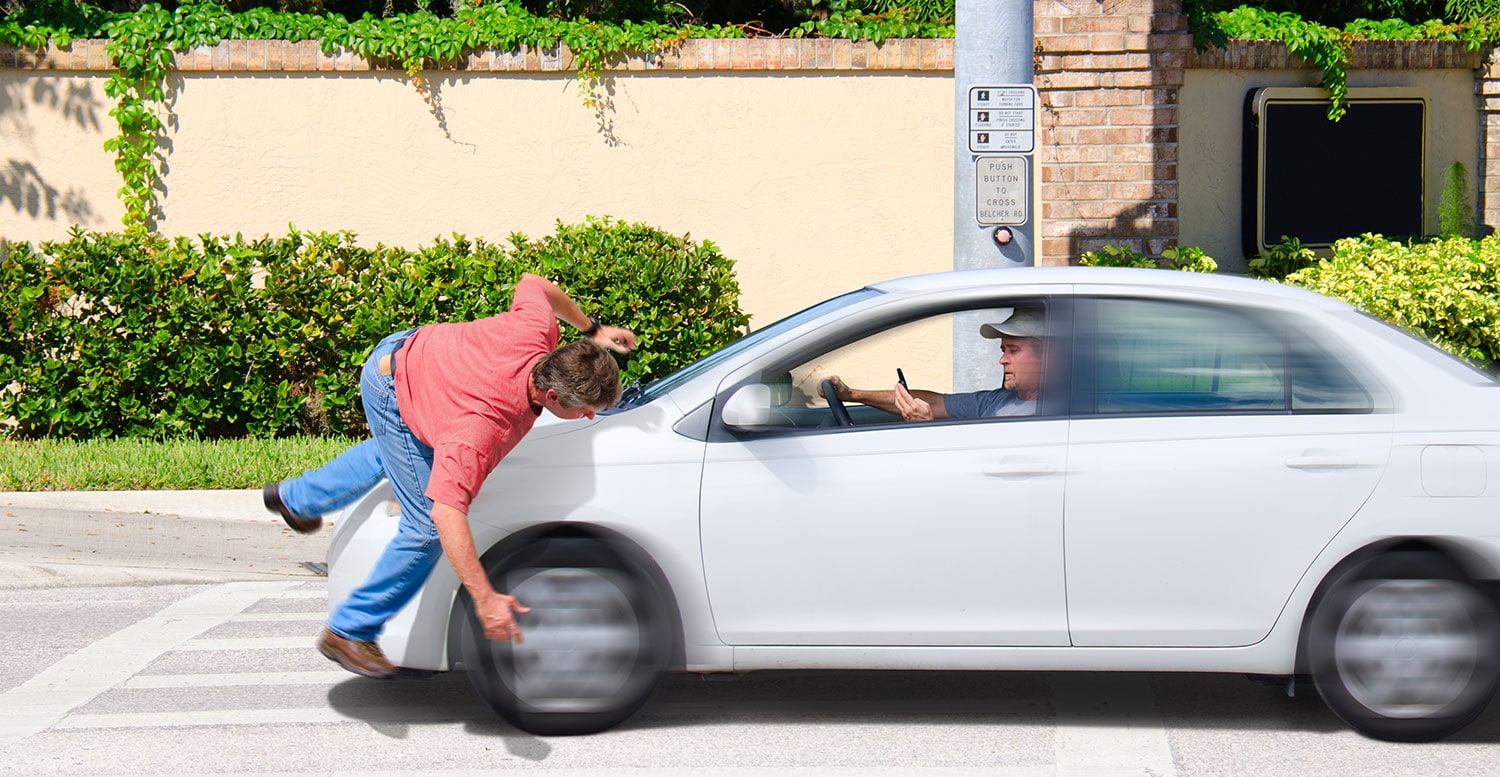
<point x="637" y="395"/>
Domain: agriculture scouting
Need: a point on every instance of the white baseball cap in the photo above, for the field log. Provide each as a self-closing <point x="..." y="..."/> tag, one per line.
<point x="1022" y="322"/>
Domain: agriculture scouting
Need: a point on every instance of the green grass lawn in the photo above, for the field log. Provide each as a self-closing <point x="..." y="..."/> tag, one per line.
<point x="107" y="465"/>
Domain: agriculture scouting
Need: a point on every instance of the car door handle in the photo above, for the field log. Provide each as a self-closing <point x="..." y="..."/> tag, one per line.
<point x="1020" y="469"/>
<point x="1322" y="461"/>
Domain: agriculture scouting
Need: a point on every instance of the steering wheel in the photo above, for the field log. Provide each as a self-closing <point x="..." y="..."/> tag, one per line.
<point x="836" y="405"/>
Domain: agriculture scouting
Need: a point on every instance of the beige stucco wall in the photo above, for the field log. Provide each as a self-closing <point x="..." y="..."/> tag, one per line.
<point x="1211" y="106"/>
<point x="814" y="183"/>
<point x="54" y="171"/>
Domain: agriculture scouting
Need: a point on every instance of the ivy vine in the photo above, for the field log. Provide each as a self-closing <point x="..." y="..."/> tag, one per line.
<point x="1324" y="47"/>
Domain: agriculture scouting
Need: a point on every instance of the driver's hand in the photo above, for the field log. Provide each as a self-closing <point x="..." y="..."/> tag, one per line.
<point x="839" y="388"/>
<point x="911" y="408"/>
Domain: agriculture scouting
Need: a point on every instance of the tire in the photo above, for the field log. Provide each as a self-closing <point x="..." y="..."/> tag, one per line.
<point x="1404" y="648"/>
<point x="596" y="641"/>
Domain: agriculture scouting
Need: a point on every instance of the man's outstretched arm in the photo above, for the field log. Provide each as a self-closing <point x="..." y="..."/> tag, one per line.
<point x="615" y="338"/>
<point x="492" y="607"/>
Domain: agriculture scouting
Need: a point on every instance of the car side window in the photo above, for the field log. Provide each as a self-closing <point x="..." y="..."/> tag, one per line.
<point x="923" y="350"/>
<point x="1322" y="384"/>
<point x="790" y="396"/>
<point x="1152" y="356"/>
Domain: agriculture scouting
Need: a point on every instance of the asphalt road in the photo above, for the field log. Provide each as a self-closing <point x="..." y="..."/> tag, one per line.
<point x="218" y="674"/>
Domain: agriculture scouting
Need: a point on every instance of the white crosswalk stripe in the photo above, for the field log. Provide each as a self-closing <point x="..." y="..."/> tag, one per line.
<point x="266" y="617"/>
<point x="247" y="643"/>
<point x="301" y="593"/>
<point x="244" y="717"/>
<point x="228" y="680"/>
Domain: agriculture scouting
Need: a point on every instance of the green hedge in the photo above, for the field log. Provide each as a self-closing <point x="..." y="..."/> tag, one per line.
<point x="1445" y="289"/>
<point x="129" y="336"/>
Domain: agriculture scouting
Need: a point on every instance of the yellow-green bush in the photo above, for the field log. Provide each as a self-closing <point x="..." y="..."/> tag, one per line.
<point x="1447" y="290"/>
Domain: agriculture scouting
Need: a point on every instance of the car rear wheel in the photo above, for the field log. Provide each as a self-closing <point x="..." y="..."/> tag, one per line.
<point x="1404" y="648"/>
<point x="595" y="642"/>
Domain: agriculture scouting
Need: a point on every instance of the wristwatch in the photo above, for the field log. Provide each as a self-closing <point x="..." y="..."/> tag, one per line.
<point x="593" y="328"/>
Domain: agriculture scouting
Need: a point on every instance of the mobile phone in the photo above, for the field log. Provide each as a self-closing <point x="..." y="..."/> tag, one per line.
<point x="901" y="378"/>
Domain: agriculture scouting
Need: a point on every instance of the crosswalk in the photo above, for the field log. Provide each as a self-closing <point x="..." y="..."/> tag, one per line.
<point x="47" y="697"/>
<point x="239" y="657"/>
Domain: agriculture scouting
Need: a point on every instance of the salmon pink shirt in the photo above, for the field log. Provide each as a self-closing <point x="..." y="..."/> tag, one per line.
<point x="461" y="388"/>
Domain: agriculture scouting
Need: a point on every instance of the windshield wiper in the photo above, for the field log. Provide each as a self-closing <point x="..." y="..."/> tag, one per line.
<point x="631" y="393"/>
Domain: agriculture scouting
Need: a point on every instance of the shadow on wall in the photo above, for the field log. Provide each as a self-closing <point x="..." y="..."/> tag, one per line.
<point x="77" y="100"/>
<point x="1132" y="227"/>
<point x="24" y="189"/>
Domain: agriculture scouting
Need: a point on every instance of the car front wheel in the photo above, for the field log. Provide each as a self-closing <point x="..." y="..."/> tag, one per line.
<point x="594" y="644"/>
<point x="1405" y="648"/>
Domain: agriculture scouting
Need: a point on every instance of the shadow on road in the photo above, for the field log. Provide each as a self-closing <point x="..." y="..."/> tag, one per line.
<point x="1183" y="701"/>
<point x="392" y="707"/>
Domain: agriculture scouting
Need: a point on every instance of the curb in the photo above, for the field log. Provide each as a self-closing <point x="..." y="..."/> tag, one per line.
<point x="234" y="505"/>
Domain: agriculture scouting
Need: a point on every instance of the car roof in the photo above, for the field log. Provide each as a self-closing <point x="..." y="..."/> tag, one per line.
<point x="1122" y="277"/>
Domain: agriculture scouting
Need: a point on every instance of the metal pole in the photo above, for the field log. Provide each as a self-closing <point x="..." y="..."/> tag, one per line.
<point x="994" y="139"/>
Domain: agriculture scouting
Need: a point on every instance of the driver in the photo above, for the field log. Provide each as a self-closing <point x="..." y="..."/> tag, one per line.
<point x="1020" y="337"/>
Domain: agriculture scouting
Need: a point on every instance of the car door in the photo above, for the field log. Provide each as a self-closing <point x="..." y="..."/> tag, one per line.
<point x="1215" y="451"/>
<point x="885" y="532"/>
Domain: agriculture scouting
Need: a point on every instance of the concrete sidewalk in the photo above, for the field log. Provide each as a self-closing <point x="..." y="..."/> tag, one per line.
<point x="74" y="538"/>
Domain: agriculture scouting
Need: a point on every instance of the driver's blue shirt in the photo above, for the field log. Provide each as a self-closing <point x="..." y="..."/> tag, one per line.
<point x="987" y="404"/>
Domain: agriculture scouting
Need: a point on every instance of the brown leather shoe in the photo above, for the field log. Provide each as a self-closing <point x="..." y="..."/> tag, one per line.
<point x="358" y="657"/>
<point x="271" y="495"/>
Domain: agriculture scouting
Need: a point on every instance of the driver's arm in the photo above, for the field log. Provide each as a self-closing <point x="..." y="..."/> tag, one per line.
<point x="885" y="399"/>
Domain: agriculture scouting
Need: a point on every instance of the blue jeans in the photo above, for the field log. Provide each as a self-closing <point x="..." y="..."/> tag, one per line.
<point x="393" y="453"/>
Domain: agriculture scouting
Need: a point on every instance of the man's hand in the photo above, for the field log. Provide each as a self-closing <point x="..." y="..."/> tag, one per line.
<point x="910" y="407"/>
<point x="495" y="616"/>
<point x="844" y="392"/>
<point x="615" y="338"/>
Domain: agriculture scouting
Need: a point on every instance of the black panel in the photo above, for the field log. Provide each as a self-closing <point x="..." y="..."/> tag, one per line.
<point x="1323" y="180"/>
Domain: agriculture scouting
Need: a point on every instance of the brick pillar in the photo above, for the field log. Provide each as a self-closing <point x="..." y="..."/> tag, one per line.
<point x="1487" y="84"/>
<point x="1108" y="74"/>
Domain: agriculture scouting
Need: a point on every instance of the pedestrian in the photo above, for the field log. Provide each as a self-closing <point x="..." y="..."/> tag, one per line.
<point x="445" y="403"/>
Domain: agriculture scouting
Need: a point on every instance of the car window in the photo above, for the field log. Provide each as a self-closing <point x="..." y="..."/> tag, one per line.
<point x="922" y="350"/>
<point x="1164" y="357"/>
<point x="1322" y="384"/>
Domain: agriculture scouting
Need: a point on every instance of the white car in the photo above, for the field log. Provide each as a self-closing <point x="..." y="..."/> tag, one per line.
<point x="1221" y="475"/>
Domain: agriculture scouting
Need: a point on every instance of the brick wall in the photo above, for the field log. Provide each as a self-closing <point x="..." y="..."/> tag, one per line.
<point x="1108" y="75"/>
<point x="238" y="56"/>
<point x="1487" y="87"/>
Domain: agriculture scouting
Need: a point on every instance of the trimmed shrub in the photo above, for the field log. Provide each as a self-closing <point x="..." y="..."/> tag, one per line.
<point x="1447" y="290"/>
<point x="1281" y="260"/>
<point x="112" y="335"/>
<point x="1185" y="258"/>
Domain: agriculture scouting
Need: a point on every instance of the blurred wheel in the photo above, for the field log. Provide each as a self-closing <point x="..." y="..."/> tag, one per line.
<point x="1404" y="648"/>
<point x="595" y="642"/>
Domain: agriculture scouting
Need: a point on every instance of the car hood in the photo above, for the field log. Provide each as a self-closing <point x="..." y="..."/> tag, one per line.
<point x="548" y="425"/>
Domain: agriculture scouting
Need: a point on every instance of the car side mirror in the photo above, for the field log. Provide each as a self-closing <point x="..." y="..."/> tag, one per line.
<point x="749" y="406"/>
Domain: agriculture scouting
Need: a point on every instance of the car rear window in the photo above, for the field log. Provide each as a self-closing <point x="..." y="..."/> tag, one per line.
<point x="1419" y="347"/>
